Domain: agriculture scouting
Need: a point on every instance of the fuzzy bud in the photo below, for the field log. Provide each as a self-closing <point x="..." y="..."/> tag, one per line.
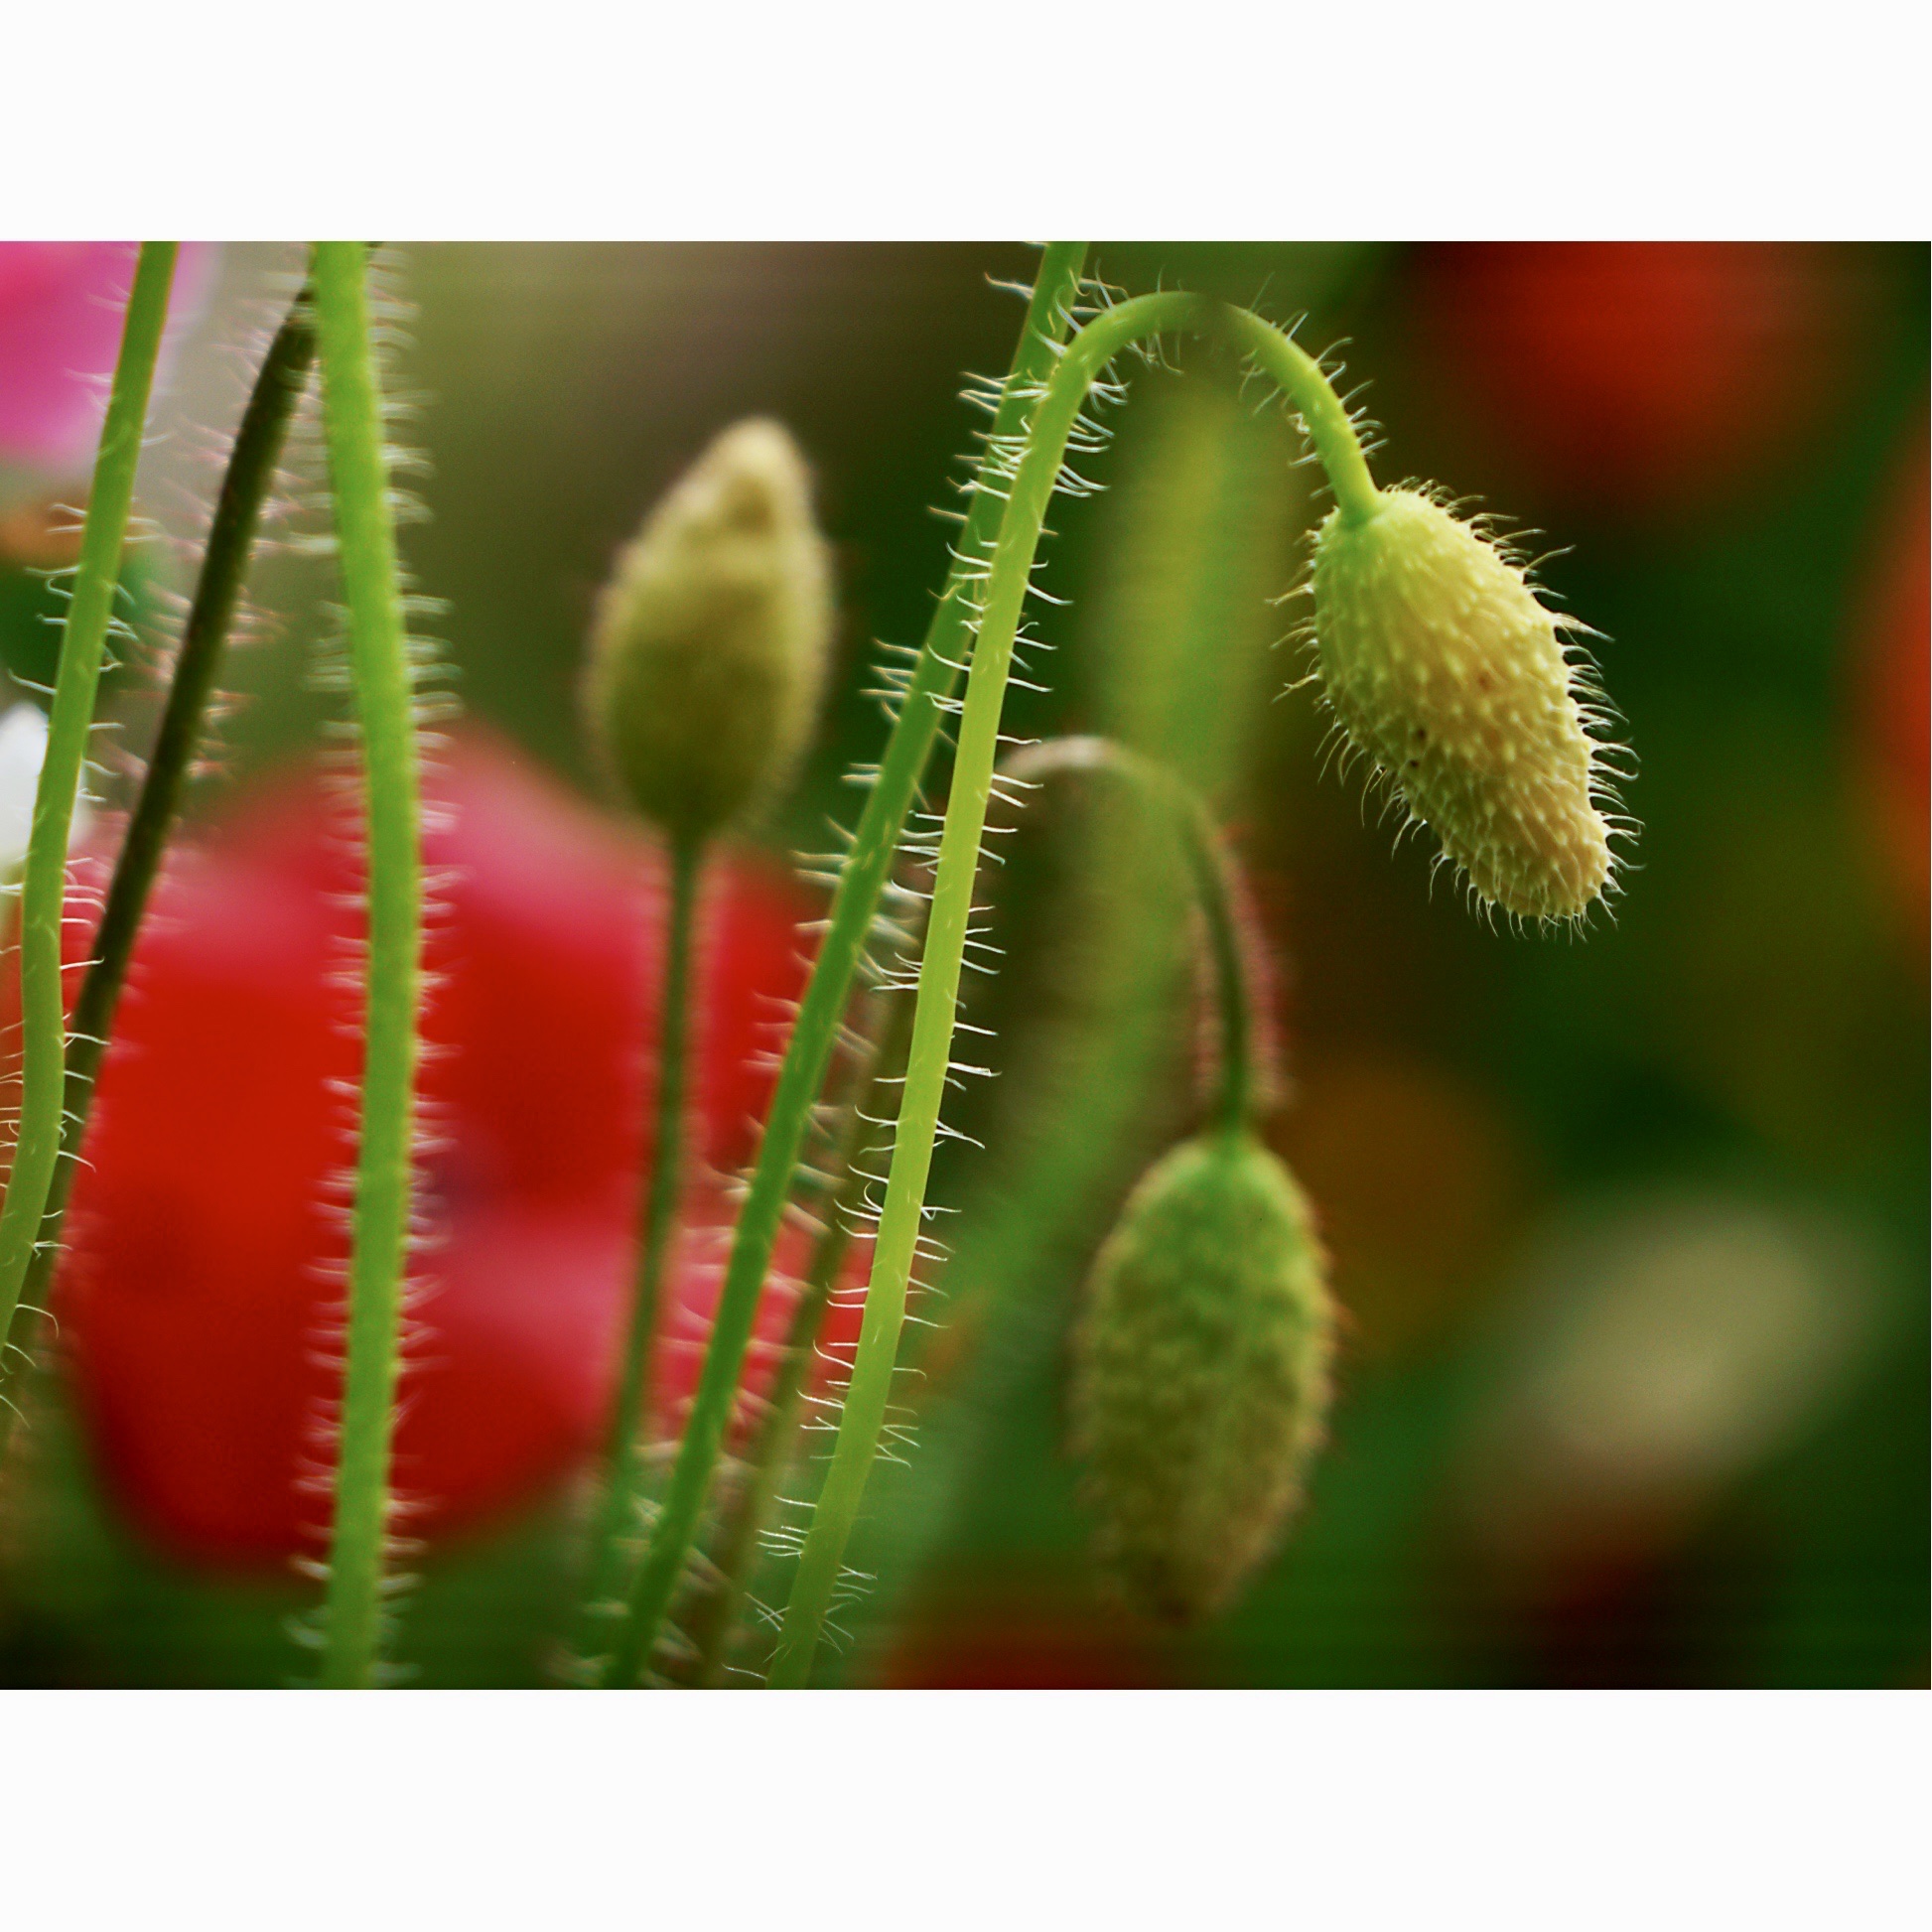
<point x="709" y="652"/>
<point x="1442" y="666"/>
<point x="1200" y="1374"/>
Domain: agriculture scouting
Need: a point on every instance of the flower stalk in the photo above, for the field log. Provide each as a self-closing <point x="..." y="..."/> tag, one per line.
<point x="706" y="663"/>
<point x="353" y="1630"/>
<point x="84" y="638"/>
<point x="245" y="487"/>
<point x="1080" y="366"/>
<point x="618" y="1504"/>
<point x="733" y="1552"/>
<point x="862" y="883"/>
<point x="1207" y="872"/>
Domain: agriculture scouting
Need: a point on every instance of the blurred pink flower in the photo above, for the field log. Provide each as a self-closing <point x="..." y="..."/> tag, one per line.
<point x="61" y="306"/>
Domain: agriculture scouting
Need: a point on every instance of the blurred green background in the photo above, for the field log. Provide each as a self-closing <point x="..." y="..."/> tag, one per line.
<point x="1631" y="1229"/>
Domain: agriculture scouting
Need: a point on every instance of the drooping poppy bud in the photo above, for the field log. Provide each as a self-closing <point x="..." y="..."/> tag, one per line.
<point x="709" y="652"/>
<point x="1446" y="669"/>
<point x="1200" y="1376"/>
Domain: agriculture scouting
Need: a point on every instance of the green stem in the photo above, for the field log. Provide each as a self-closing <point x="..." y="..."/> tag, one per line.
<point x="1207" y="870"/>
<point x="930" y="1063"/>
<point x="861" y="885"/>
<point x="732" y="1556"/>
<point x="617" y="1511"/>
<point x="42" y="898"/>
<point x="1298" y="375"/>
<point x="1208" y="864"/>
<point x="231" y="534"/>
<point x="365" y="528"/>
<point x="1181" y="625"/>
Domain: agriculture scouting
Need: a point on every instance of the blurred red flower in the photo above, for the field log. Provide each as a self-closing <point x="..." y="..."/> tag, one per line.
<point x="201" y="1293"/>
<point x="1637" y="376"/>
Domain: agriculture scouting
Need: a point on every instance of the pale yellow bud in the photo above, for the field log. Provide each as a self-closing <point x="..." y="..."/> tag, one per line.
<point x="709" y="654"/>
<point x="1445" y="668"/>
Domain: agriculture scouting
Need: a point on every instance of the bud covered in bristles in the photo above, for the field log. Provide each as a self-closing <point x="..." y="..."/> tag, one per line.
<point x="709" y="652"/>
<point x="1200" y="1373"/>
<point x="1443" y="667"/>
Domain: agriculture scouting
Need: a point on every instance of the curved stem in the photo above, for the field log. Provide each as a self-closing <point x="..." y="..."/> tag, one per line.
<point x="231" y="534"/>
<point x="1237" y="1097"/>
<point x="808" y="1053"/>
<point x="1208" y="865"/>
<point x="930" y="1063"/>
<point x="1207" y="869"/>
<point x="604" y="1573"/>
<point x="1299" y="377"/>
<point x="43" y="899"/>
<point x="365" y="527"/>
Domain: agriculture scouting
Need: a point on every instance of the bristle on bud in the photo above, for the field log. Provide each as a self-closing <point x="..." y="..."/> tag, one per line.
<point x="1442" y="666"/>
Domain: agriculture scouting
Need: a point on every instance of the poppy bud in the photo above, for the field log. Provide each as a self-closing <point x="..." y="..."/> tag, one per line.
<point x="1200" y="1375"/>
<point x="1442" y="666"/>
<point x="709" y="649"/>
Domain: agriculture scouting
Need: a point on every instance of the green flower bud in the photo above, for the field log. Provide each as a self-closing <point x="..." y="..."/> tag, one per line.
<point x="709" y="652"/>
<point x="1442" y="666"/>
<point x="1200" y="1374"/>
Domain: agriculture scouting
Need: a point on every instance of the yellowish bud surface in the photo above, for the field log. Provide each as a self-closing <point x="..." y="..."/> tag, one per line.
<point x="1445" y="668"/>
<point x="709" y="652"/>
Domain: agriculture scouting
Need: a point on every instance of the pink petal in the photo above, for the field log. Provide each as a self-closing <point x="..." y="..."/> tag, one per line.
<point x="61" y="305"/>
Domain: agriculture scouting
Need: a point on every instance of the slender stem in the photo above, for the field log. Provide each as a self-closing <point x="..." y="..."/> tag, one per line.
<point x="1207" y="870"/>
<point x="231" y="534"/>
<point x="1192" y="552"/>
<point x="1299" y="377"/>
<point x="930" y="1062"/>
<point x="861" y="883"/>
<point x="1237" y="1096"/>
<point x="365" y="527"/>
<point x="733" y="1554"/>
<point x="42" y="898"/>
<point x="617" y="1507"/>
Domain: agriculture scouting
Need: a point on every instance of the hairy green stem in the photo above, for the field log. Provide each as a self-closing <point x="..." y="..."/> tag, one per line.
<point x="930" y="1063"/>
<point x="861" y="882"/>
<point x="43" y="898"/>
<point x="1180" y="626"/>
<point x="252" y="465"/>
<point x="617" y="1507"/>
<point x="366" y="530"/>
<point x="735" y="1550"/>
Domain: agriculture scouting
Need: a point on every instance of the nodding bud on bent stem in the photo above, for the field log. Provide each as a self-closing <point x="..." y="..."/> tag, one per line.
<point x="709" y="651"/>
<point x="1445" y="668"/>
<point x="1200" y="1372"/>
